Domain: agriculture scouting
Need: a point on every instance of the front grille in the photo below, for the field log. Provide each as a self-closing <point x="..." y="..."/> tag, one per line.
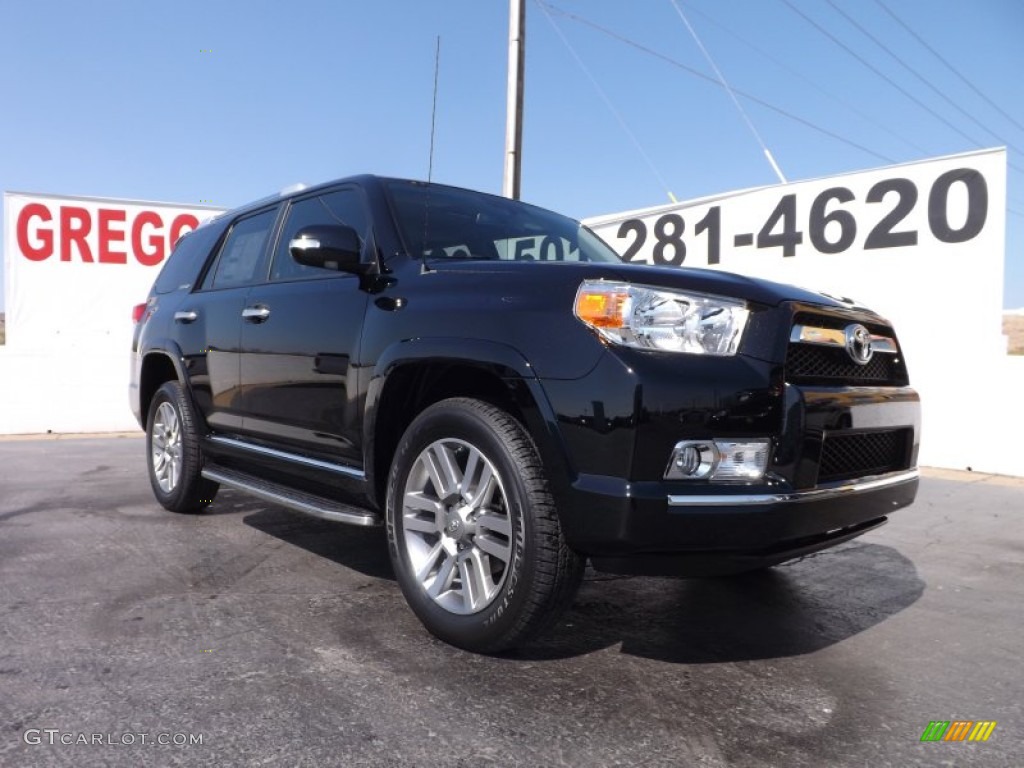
<point x="832" y="366"/>
<point x="847" y="456"/>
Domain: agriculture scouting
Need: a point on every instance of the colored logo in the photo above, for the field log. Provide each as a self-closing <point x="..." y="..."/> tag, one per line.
<point x="958" y="730"/>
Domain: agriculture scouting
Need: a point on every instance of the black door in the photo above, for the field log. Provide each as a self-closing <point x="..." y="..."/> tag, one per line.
<point x="299" y="338"/>
<point x="209" y="320"/>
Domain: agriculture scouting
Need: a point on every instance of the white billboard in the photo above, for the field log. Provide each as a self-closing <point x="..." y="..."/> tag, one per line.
<point x="921" y="243"/>
<point x="915" y="242"/>
<point x="75" y="266"/>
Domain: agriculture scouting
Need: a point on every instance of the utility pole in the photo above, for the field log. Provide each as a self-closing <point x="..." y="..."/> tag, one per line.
<point x="514" y="105"/>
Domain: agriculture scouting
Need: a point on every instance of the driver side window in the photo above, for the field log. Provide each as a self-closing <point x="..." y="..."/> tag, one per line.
<point x="342" y="206"/>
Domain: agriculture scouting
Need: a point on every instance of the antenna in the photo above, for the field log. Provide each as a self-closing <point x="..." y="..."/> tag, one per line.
<point x="433" y="110"/>
<point x="424" y="268"/>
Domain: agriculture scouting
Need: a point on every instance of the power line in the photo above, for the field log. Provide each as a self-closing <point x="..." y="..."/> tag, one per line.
<point x="732" y="96"/>
<point x="795" y="73"/>
<point x="607" y="101"/>
<point x="877" y="71"/>
<point x="546" y="7"/>
<point x="949" y="66"/>
<point x="696" y="73"/>
<point x="920" y="77"/>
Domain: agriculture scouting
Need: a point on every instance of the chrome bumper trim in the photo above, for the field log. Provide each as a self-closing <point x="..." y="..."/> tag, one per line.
<point x="795" y="497"/>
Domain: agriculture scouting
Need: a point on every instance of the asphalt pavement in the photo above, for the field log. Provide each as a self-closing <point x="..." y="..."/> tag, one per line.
<point x="252" y="635"/>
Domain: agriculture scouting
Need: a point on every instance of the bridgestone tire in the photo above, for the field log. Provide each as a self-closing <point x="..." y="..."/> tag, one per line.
<point x="173" y="455"/>
<point x="510" y="516"/>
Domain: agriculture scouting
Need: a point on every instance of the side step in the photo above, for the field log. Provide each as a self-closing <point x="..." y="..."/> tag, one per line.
<point x="317" y="506"/>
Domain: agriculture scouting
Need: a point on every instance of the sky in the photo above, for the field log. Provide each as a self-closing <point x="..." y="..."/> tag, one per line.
<point x="226" y="101"/>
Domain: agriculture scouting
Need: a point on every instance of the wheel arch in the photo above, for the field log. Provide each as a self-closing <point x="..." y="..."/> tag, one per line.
<point x="415" y="374"/>
<point x="159" y="364"/>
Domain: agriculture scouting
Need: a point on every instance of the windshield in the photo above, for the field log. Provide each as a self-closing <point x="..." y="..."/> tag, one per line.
<point x="438" y="222"/>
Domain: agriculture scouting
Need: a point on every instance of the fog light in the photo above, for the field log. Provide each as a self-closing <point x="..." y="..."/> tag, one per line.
<point x="691" y="460"/>
<point x="726" y="461"/>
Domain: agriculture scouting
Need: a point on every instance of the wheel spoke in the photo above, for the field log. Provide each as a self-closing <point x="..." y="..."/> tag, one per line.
<point x="465" y="487"/>
<point x="493" y="547"/>
<point x="443" y="580"/>
<point x="449" y="469"/>
<point x="419" y="502"/>
<point x="482" y="488"/>
<point x="494" y="522"/>
<point x="419" y="524"/>
<point x="175" y="472"/>
<point x="428" y="563"/>
<point x="434" y="459"/>
<point x="477" y="586"/>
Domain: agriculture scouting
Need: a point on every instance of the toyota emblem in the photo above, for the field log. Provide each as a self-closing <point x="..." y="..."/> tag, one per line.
<point x="858" y="344"/>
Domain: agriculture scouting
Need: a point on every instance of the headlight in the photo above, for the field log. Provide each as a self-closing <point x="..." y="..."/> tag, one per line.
<point x="655" y="318"/>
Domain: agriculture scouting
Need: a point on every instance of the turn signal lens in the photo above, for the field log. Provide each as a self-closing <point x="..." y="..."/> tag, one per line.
<point x="741" y="462"/>
<point x="601" y="305"/>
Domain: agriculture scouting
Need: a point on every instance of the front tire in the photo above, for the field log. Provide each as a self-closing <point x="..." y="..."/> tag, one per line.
<point x="175" y="458"/>
<point x="474" y="537"/>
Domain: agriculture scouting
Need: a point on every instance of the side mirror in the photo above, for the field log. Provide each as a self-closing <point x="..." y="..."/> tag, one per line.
<point x="329" y="246"/>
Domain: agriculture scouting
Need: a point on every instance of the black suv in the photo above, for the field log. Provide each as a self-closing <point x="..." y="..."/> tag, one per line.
<point x="490" y="381"/>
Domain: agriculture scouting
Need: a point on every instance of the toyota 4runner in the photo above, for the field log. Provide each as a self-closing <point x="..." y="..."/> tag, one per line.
<point x="490" y="382"/>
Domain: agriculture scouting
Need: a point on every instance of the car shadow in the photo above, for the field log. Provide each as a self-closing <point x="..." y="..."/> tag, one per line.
<point x="361" y="549"/>
<point x="790" y="610"/>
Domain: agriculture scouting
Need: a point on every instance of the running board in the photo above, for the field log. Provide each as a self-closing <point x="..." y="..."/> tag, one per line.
<point x="317" y="506"/>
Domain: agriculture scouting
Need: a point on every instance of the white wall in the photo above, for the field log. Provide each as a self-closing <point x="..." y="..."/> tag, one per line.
<point x="73" y="390"/>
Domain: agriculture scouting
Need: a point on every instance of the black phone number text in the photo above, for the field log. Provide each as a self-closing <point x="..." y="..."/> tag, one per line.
<point x="781" y="228"/>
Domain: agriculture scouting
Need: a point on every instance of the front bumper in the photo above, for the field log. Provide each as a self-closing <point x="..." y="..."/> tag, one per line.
<point x="647" y="528"/>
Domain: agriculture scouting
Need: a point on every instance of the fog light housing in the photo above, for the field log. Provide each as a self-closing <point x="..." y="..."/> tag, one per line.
<point x="724" y="461"/>
<point x="692" y="460"/>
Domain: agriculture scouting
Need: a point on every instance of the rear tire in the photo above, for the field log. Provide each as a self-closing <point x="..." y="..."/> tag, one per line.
<point x="474" y="537"/>
<point x="175" y="459"/>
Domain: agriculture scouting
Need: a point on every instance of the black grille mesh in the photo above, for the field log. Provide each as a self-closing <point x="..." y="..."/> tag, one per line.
<point x="816" y="364"/>
<point x="846" y="456"/>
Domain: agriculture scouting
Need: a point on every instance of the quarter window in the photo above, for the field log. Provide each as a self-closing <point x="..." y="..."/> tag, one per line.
<point x="187" y="259"/>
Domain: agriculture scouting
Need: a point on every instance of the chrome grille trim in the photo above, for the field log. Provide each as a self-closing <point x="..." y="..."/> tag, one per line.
<point x="833" y="337"/>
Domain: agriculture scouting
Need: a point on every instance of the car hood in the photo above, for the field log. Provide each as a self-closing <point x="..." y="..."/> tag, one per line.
<point x="728" y="284"/>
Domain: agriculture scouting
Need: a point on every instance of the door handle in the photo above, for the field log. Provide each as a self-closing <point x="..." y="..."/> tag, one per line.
<point x="186" y="316"/>
<point x="256" y="314"/>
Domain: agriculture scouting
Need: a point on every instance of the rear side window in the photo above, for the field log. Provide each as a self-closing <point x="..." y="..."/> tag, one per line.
<point x="242" y="254"/>
<point x="186" y="260"/>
